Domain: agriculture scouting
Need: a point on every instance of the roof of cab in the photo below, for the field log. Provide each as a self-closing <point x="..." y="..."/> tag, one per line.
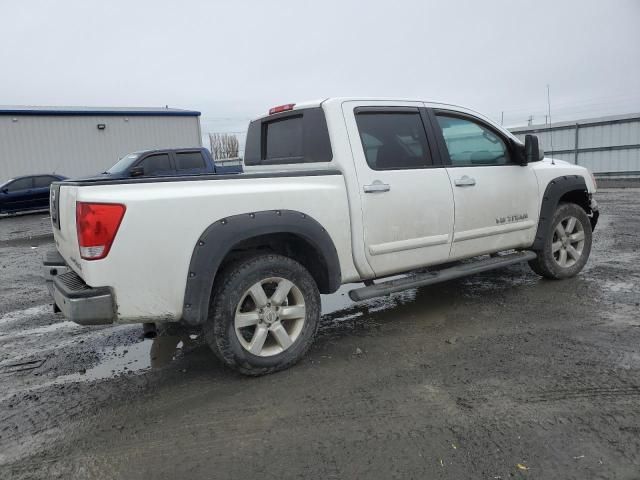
<point x="428" y="103"/>
<point x="318" y="102"/>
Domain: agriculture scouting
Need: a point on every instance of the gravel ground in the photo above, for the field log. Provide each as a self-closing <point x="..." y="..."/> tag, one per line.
<point x="501" y="375"/>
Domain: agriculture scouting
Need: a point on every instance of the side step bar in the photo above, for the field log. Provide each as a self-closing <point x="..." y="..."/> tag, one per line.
<point x="430" y="278"/>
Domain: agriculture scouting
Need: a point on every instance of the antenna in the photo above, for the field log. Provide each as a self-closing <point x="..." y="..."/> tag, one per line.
<point x="550" y="127"/>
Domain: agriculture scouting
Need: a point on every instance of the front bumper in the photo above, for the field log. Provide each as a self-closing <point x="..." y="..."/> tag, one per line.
<point x="76" y="300"/>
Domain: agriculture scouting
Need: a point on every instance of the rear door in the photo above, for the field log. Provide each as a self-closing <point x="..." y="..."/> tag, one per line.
<point x="189" y="162"/>
<point x="495" y="198"/>
<point x="157" y="164"/>
<point x="406" y="197"/>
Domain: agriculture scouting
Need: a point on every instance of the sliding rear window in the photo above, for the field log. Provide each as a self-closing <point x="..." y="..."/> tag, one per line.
<point x="298" y="136"/>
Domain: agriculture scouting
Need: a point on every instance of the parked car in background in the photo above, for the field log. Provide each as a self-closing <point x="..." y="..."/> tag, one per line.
<point x="30" y="192"/>
<point x="168" y="162"/>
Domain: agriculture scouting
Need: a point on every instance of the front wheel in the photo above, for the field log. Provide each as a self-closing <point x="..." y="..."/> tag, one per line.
<point x="567" y="244"/>
<point x="264" y="314"/>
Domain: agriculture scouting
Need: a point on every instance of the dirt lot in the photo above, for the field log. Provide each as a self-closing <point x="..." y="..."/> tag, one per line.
<point x="496" y="376"/>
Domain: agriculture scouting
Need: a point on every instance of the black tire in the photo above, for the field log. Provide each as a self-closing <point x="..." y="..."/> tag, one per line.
<point x="229" y="290"/>
<point x="546" y="263"/>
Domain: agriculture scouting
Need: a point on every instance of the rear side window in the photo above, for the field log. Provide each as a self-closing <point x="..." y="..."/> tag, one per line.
<point x="299" y="136"/>
<point x="189" y="161"/>
<point x="20" y="184"/>
<point x="154" y="164"/>
<point x="43" y="182"/>
<point x="393" y="140"/>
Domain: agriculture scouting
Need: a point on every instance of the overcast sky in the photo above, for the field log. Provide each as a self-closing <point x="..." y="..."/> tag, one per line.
<point x="234" y="59"/>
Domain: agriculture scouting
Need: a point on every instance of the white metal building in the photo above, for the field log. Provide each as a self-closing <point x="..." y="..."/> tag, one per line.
<point x="76" y="141"/>
<point x="606" y="145"/>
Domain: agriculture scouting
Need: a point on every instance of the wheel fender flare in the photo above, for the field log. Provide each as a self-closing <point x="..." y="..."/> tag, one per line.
<point x="220" y="237"/>
<point x="554" y="191"/>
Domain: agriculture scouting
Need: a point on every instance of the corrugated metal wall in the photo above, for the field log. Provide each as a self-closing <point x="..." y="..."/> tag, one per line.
<point x="605" y="145"/>
<point x="74" y="146"/>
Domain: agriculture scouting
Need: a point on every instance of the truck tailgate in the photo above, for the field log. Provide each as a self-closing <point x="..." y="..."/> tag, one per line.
<point x="63" y="222"/>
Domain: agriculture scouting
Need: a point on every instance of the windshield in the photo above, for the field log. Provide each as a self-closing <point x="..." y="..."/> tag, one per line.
<point x="124" y="163"/>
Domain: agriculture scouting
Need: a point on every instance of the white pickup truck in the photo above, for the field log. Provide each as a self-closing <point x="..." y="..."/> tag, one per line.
<point x="336" y="191"/>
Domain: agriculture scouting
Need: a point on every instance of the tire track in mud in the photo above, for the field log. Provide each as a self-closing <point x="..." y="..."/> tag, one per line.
<point x="609" y="393"/>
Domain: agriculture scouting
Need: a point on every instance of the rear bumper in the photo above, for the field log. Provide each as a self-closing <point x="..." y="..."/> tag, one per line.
<point x="53" y="265"/>
<point x="76" y="300"/>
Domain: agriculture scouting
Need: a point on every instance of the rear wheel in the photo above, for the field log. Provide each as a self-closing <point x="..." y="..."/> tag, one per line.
<point x="567" y="244"/>
<point x="264" y="314"/>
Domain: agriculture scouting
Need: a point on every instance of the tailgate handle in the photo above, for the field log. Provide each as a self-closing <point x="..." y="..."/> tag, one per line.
<point x="376" y="187"/>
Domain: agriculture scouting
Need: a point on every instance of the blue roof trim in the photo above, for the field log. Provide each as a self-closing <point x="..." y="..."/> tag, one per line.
<point x="110" y="113"/>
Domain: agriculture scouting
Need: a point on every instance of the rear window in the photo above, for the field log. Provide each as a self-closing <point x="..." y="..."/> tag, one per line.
<point x="284" y="139"/>
<point x="299" y="136"/>
<point x="189" y="161"/>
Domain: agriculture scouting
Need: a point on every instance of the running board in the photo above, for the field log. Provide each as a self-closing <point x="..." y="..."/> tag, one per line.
<point x="430" y="278"/>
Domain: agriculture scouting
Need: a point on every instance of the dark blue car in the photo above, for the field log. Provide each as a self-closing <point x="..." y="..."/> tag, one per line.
<point x="30" y="192"/>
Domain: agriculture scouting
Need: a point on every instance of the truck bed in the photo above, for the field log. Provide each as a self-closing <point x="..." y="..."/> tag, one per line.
<point x="166" y="216"/>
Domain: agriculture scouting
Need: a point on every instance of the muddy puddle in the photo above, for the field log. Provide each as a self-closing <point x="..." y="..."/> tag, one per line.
<point x="138" y="357"/>
<point x="100" y="353"/>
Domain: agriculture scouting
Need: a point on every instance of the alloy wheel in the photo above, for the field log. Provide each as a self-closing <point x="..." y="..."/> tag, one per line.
<point x="270" y="316"/>
<point x="568" y="242"/>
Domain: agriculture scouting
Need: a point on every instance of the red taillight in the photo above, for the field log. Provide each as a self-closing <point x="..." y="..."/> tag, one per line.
<point x="282" y="108"/>
<point x="97" y="225"/>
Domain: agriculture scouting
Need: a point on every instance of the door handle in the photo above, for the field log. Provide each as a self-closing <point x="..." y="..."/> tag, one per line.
<point x="465" y="181"/>
<point x="376" y="187"/>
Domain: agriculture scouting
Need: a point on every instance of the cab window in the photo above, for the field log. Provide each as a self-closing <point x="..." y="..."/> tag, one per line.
<point x="471" y="144"/>
<point x="43" y="181"/>
<point x="20" y="184"/>
<point x="393" y="140"/>
<point x="154" y="164"/>
<point x="189" y="161"/>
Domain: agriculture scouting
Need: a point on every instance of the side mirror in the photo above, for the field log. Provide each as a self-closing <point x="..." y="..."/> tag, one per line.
<point x="136" y="171"/>
<point x="5" y="190"/>
<point x="532" y="150"/>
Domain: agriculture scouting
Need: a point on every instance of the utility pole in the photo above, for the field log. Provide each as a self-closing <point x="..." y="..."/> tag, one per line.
<point x="501" y="118"/>
<point x="530" y="120"/>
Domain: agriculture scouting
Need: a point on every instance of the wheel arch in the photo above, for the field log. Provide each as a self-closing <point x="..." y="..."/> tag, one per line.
<point x="288" y="232"/>
<point x="567" y="188"/>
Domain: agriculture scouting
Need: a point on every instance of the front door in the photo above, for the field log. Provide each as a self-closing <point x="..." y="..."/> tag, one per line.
<point x="405" y="195"/>
<point x="19" y="194"/>
<point x="496" y="199"/>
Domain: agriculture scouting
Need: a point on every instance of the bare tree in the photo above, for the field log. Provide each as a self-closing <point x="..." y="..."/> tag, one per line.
<point x="223" y="145"/>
